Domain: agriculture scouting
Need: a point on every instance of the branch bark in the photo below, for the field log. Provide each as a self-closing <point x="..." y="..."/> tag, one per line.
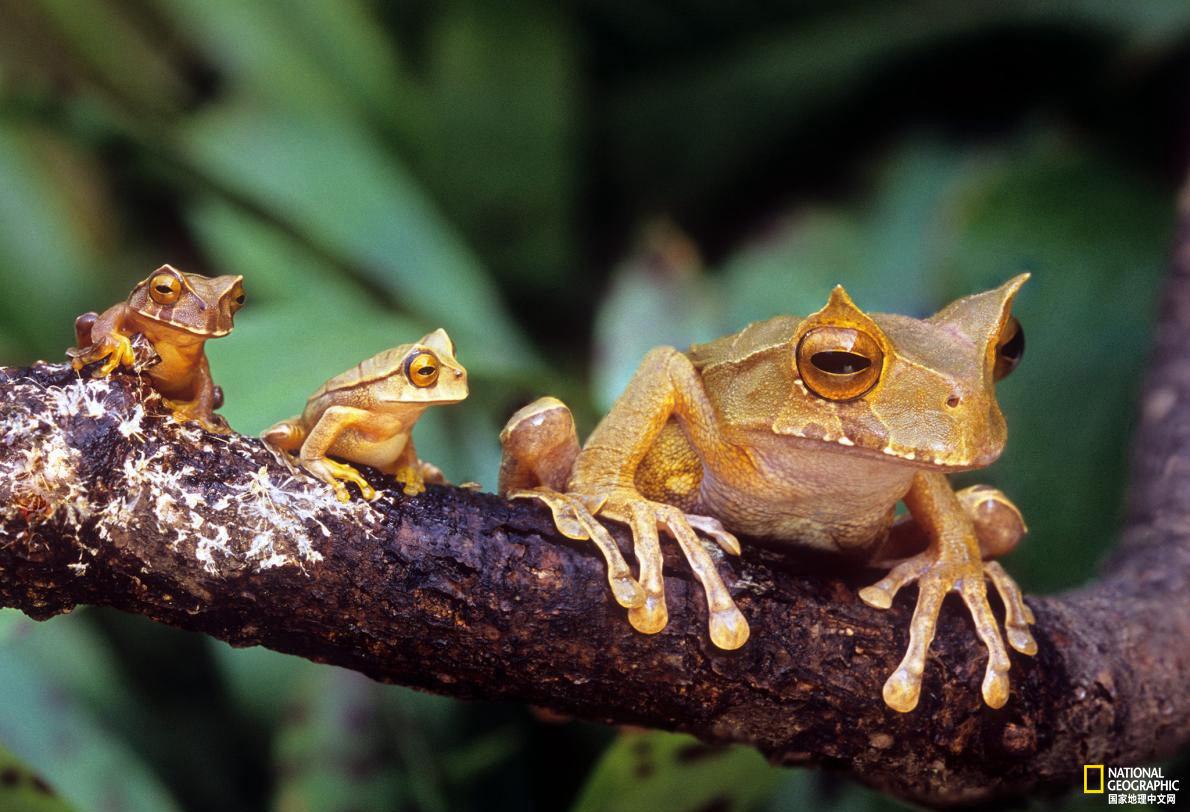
<point x="104" y="500"/>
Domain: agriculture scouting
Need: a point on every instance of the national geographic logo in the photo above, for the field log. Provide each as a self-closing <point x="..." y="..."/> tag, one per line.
<point x="1130" y="785"/>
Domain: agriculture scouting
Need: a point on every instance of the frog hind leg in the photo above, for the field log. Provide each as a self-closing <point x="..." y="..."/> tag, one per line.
<point x="287" y="435"/>
<point x="82" y="329"/>
<point x="201" y="408"/>
<point x="539" y="445"/>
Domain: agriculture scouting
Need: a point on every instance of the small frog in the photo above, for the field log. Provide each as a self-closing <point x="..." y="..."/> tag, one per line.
<point x="177" y="312"/>
<point x="366" y="415"/>
<point x="807" y="431"/>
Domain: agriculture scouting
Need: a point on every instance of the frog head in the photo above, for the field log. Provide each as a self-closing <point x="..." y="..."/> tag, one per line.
<point x="918" y="391"/>
<point x="425" y="372"/>
<point x="198" y="305"/>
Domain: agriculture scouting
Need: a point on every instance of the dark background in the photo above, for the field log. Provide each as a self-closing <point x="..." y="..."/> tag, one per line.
<point x="561" y="186"/>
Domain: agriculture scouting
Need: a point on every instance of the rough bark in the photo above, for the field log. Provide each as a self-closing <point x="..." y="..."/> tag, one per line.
<point x="104" y="500"/>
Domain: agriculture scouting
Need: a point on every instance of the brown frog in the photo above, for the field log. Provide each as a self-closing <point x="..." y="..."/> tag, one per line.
<point x="177" y="313"/>
<point x="367" y="413"/>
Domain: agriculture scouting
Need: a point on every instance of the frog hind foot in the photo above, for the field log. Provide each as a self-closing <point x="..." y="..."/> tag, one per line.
<point x="937" y="572"/>
<point x="412" y="478"/>
<point x="574" y="520"/>
<point x="193" y="413"/>
<point x="285" y="439"/>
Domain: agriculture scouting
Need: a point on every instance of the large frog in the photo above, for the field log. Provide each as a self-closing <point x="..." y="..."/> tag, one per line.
<point x="808" y="431"/>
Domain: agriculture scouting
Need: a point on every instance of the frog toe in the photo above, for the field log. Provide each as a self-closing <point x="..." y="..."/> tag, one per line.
<point x="335" y="474"/>
<point x="1017" y="614"/>
<point x="902" y="690"/>
<point x="410" y="476"/>
<point x="573" y="520"/>
<point x="728" y="628"/>
<point x="936" y="575"/>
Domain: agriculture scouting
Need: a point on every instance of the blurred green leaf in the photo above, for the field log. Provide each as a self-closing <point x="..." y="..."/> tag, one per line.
<point x="23" y="790"/>
<point x="258" y="678"/>
<point x="12" y="622"/>
<point x="503" y="155"/>
<point x="749" y="95"/>
<point x="306" y="55"/>
<point x="46" y="726"/>
<point x="659" y="296"/>
<point x="333" y="183"/>
<point x="76" y="654"/>
<point x="50" y="238"/>
<point x="331" y="753"/>
<point x="642" y="772"/>
<point x="122" y="55"/>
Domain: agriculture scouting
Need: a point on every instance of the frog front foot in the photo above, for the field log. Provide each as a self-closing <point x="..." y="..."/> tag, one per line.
<point x="114" y="350"/>
<point x="937" y="572"/>
<point x="574" y="516"/>
<point x="335" y="474"/>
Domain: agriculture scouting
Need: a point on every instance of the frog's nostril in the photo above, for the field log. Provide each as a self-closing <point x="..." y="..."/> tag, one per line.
<point x="953" y="401"/>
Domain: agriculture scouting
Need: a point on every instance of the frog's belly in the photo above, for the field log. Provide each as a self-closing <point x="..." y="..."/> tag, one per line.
<point x="810" y="497"/>
<point x="367" y="449"/>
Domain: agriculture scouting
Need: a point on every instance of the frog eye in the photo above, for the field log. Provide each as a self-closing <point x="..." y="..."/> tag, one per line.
<point x="422" y="369"/>
<point x="165" y="288"/>
<point x="237" y="298"/>
<point x="1010" y="348"/>
<point x="839" y="363"/>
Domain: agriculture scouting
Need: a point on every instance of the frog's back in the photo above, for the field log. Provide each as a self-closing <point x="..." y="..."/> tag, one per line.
<point x="736" y="347"/>
<point x="378" y="367"/>
<point x="370" y="370"/>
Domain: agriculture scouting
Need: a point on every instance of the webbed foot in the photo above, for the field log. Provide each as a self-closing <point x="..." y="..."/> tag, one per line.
<point x="937" y="572"/>
<point x="574" y="517"/>
<point x="335" y="474"/>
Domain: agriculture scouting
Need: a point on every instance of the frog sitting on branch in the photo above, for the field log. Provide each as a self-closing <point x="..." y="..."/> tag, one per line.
<point x="809" y="429"/>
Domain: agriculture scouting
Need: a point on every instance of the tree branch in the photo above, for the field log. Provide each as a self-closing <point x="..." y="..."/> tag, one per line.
<point x="104" y="500"/>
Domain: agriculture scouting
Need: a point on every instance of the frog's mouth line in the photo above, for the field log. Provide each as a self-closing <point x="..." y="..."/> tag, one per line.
<point x="404" y="402"/>
<point x="188" y="328"/>
<point x="900" y="456"/>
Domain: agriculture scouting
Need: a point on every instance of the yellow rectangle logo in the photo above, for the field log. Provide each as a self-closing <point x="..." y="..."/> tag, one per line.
<point x="1093" y="779"/>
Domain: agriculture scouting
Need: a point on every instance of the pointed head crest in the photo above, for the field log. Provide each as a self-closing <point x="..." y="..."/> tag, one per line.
<point x="840" y="352"/>
<point x="982" y="316"/>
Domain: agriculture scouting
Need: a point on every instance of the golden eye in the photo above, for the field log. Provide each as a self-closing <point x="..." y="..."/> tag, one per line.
<point x="237" y="298"/>
<point x="165" y="288"/>
<point x="839" y="363"/>
<point x="422" y="369"/>
<point x="1010" y="348"/>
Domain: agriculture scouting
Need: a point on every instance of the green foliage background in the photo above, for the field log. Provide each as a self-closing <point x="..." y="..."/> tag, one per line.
<point x="561" y="186"/>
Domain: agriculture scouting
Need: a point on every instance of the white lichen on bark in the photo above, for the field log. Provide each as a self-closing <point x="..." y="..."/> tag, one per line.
<point x="41" y="481"/>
